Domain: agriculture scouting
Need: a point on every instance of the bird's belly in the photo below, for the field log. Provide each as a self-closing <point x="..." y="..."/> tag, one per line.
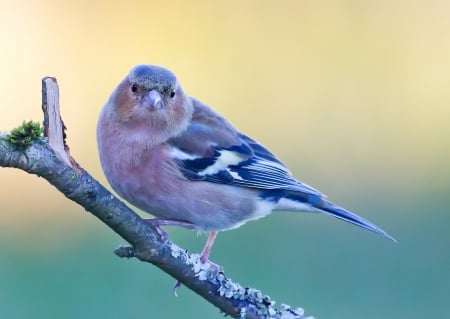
<point x="208" y="206"/>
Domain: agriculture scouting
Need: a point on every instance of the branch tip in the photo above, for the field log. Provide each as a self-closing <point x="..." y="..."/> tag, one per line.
<point x="125" y="251"/>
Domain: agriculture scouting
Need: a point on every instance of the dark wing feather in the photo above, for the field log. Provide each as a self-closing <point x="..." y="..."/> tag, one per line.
<point x="247" y="165"/>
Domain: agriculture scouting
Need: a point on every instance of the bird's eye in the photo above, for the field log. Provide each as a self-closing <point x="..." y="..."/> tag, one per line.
<point x="134" y="88"/>
<point x="172" y="94"/>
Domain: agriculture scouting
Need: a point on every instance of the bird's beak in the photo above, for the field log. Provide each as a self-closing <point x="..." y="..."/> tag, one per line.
<point x="153" y="100"/>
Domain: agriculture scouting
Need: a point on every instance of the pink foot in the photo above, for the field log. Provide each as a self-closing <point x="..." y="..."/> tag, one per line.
<point x="204" y="257"/>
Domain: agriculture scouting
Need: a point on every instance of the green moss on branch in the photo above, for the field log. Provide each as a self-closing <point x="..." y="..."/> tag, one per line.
<point x="24" y="135"/>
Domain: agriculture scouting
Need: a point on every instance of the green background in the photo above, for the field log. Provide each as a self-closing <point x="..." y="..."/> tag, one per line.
<point x="352" y="95"/>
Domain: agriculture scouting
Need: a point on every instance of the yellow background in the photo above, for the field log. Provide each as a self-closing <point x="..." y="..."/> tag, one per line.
<point x="354" y="96"/>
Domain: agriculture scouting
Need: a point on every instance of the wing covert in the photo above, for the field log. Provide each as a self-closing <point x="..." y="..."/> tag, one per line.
<point x="247" y="165"/>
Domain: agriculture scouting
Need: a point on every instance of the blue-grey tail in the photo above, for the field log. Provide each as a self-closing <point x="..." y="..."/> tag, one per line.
<point x="301" y="201"/>
<point x="341" y="213"/>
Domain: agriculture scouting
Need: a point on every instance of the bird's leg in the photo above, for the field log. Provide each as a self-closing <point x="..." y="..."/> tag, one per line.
<point x="157" y="223"/>
<point x="204" y="257"/>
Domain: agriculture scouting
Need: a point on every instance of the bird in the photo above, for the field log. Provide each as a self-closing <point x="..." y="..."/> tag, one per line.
<point x="176" y="158"/>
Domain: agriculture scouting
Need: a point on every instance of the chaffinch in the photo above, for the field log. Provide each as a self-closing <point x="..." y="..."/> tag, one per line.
<point x="176" y="158"/>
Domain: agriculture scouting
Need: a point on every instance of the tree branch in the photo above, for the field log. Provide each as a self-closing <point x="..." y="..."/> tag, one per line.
<point x="49" y="158"/>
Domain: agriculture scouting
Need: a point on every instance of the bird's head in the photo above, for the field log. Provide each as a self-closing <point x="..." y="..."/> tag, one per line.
<point x="152" y="87"/>
<point x="150" y="96"/>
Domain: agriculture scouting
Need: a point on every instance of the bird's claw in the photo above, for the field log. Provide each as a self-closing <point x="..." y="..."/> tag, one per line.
<point x="175" y="287"/>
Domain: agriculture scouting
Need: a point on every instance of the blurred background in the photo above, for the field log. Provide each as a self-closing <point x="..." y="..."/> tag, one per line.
<point x="354" y="96"/>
